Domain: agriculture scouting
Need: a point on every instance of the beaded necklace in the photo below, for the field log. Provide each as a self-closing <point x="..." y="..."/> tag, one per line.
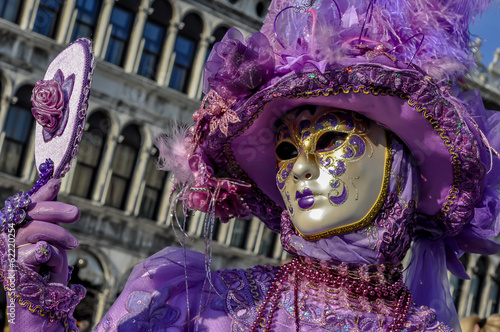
<point x="378" y="289"/>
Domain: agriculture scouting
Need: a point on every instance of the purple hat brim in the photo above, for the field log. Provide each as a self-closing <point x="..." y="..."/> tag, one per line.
<point x="432" y="124"/>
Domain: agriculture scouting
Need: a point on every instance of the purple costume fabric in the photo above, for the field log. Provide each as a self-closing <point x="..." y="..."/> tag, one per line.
<point x="292" y="58"/>
<point x="163" y="294"/>
<point x="155" y="300"/>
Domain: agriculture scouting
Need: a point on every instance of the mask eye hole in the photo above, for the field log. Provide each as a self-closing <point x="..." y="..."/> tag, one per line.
<point x="286" y="150"/>
<point x="330" y="141"/>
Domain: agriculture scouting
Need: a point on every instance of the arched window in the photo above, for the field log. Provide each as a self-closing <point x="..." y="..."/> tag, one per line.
<point x="184" y="51"/>
<point x="268" y="242"/>
<point x="155" y="181"/>
<point x="9" y="9"/>
<point x="88" y="272"/>
<point x="494" y="297"/>
<point x="153" y="37"/>
<point x="47" y="17"/>
<point x="89" y="154"/>
<point x="239" y="232"/>
<point x="477" y="284"/>
<point x="121" y="21"/>
<point x="493" y="304"/>
<point x="261" y="8"/>
<point x="86" y="18"/>
<point x="18" y="131"/>
<point x="456" y="284"/>
<point x="123" y="166"/>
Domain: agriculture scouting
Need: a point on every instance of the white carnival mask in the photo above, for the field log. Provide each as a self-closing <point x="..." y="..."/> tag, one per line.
<point x="333" y="170"/>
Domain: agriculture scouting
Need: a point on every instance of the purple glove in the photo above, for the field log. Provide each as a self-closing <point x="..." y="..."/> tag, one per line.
<point x="39" y="299"/>
<point x="42" y="243"/>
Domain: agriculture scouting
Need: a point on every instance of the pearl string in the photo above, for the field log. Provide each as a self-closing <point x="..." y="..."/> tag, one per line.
<point x="371" y="282"/>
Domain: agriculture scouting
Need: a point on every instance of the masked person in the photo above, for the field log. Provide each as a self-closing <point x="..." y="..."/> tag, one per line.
<point x="339" y="125"/>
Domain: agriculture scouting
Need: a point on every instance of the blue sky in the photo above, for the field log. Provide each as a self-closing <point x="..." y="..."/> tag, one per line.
<point x="488" y="27"/>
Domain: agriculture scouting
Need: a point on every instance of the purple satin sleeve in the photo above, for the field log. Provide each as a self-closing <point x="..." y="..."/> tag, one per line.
<point x="156" y="297"/>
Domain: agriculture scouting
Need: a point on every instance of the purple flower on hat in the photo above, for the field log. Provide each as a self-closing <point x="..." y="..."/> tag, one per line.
<point x="217" y="110"/>
<point x="50" y="104"/>
<point x="236" y="66"/>
<point x="207" y="188"/>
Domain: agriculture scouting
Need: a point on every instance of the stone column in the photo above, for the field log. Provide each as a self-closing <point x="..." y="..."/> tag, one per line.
<point x="136" y="190"/>
<point x="494" y="66"/>
<point x="133" y="50"/>
<point x="104" y="171"/>
<point x="66" y="22"/>
<point x="167" y="58"/>
<point x="101" y="30"/>
<point x="5" y="102"/>
<point x="197" y="72"/>
<point x="28" y="12"/>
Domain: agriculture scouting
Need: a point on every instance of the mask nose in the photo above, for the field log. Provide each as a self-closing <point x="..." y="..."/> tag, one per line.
<point x="305" y="167"/>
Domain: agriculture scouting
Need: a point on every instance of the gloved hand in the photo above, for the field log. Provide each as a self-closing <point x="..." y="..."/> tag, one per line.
<point x="42" y="243"/>
<point x="36" y="281"/>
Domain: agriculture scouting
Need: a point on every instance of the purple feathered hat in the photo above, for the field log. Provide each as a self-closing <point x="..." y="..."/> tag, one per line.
<point x="396" y="62"/>
<point x="393" y="61"/>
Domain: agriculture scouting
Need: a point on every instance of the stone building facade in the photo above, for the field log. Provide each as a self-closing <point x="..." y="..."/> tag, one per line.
<point x="150" y="56"/>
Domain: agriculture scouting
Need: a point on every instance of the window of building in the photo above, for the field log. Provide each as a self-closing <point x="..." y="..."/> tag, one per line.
<point x="86" y="18"/>
<point x="123" y="166"/>
<point x="184" y="51"/>
<point x="180" y="217"/>
<point x="122" y="18"/>
<point x="155" y="181"/>
<point x="47" y="17"/>
<point x="18" y="131"/>
<point x="89" y="155"/>
<point x="494" y="301"/>
<point x="88" y="272"/>
<point x="9" y="9"/>
<point x="477" y="283"/>
<point x="456" y="284"/>
<point x="154" y="36"/>
<point x="267" y="243"/>
<point x="261" y="8"/>
<point x="239" y="233"/>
